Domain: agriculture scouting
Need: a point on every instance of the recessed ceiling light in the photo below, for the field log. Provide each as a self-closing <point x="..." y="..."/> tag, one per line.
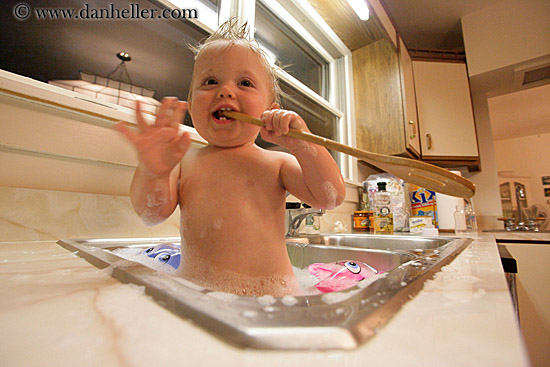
<point x="360" y="7"/>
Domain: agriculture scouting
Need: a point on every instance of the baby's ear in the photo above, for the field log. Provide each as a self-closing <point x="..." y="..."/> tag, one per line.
<point x="275" y="106"/>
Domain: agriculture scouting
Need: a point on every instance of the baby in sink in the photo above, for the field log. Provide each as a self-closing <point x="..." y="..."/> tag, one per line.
<point x="231" y="193"/>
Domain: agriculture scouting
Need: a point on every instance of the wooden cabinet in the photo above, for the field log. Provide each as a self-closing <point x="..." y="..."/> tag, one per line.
<point x="378" y="100"/>
<point x="385" y="105"/>
<point x="382" y="78"/>
<point x="445" y="114"/>
<point x="412" y="135"/>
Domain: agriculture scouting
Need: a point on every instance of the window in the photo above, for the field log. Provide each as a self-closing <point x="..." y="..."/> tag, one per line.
<point x="315" y="80"/>
<point x="298" y="58"/>
<point x="310" y="70"/>
<point x="319" y="120"/>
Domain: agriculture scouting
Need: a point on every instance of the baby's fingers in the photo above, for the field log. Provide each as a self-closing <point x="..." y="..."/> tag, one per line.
<point x="142" y="124"/>
<point x="167" y="112"/>
<point x="279" y="121"/>
<point x="129" y="134"/>
<point x="267" y="119"/>
<point x="287" y="120"/>
<point x="179" y="113"/>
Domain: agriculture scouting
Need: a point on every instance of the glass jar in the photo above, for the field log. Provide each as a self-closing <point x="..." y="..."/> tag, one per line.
<point x="465" y="220"/>
<point x="362" y="220"/>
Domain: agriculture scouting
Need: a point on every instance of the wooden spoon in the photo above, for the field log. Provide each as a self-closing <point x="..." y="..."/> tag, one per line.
<point x="416" y="172"/>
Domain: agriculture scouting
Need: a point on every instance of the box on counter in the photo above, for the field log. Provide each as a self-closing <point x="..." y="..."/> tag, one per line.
<point x="423" y="203"/>
<point x="417" y="224"/>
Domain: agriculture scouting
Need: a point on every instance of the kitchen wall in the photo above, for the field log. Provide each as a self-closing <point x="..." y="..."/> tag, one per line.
<point x="487" y="198"/>
<point x="499" y="40"/>
<point x="527" y="156"/>
<point x="506" y="33"/>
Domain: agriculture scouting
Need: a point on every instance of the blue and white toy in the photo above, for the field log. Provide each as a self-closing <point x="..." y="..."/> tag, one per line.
<point x="166" y="253"/>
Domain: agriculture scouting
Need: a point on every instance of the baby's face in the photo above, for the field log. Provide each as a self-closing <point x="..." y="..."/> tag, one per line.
<point x="229" y="76"/>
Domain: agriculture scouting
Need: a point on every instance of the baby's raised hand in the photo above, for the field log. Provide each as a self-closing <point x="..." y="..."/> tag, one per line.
<point x="277" y="124"/>
<point x="159" y="146"/>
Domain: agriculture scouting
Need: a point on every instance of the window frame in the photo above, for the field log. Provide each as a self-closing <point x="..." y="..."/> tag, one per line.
<point x="318" y="34"/>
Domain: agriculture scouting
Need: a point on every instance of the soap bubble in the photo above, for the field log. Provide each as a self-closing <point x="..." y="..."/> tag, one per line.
<point x="289" y="300"/>
<point x="331" y="194"/>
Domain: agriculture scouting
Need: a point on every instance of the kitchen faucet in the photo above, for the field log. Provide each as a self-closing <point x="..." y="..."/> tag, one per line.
<point x="520" y="194"/>
<point x="522" y="223"/>
<point x="295" y="221"/>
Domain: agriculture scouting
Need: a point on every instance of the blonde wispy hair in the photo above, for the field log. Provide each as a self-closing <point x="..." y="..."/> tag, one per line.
<point x="236" y="32"/>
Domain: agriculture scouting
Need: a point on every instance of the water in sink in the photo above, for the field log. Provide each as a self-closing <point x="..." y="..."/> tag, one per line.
<point x="317" y="271"/>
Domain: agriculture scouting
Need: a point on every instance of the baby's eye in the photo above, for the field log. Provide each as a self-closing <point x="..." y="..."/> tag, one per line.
<point x="246" y="83"/>
<point x="210" y="81"/>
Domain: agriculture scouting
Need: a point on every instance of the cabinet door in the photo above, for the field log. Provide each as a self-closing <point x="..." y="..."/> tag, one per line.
<point x="534" y="298"/>
<point x="445" y="111"/>
<point x="412" y="135"/>
<point x="378" y="103"/>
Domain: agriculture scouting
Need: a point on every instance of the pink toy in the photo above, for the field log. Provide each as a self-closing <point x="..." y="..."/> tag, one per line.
<point x="340" y="275"/>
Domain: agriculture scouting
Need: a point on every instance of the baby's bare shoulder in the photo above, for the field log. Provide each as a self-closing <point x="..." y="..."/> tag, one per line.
<point x="278" y="156"/>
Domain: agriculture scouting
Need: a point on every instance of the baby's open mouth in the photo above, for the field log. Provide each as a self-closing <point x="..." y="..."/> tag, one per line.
<point x="218" y="114"/>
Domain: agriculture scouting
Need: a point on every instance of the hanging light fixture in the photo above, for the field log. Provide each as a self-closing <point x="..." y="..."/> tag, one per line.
<point x="111" y="88"/>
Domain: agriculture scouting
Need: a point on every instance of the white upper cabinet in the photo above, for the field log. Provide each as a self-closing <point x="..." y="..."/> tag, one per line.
<point x="445" y="114"/>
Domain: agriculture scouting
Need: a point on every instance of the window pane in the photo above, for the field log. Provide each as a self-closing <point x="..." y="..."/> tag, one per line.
<point x="297" y="57"/>
<point x="320" y="121"/>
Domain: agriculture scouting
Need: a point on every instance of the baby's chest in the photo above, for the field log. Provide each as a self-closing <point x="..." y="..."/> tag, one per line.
<point x="237" y="179"/>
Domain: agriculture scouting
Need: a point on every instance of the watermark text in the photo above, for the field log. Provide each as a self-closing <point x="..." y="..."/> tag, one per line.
<point x="22" y="11"/>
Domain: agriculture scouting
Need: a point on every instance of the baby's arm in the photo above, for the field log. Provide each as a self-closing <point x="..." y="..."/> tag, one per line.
<point x="315" y="178"/>
<point x="154" y="188"/>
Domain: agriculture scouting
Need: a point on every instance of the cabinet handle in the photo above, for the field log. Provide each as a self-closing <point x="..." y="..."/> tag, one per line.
<point x="429" y="141"/>
<point x="412" y="129"/>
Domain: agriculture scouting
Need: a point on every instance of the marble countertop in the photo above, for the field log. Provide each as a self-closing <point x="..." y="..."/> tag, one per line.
<point x="58" y="310"/>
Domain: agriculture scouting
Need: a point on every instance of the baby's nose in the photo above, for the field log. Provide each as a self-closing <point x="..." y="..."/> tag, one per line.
<point x="225" y="92"/>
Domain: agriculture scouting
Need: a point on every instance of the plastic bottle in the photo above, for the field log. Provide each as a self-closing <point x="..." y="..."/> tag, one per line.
<point x="465" y="219"/>
<point x="383" y="216"/>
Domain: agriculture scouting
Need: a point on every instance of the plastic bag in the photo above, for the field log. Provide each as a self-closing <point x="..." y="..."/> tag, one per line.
<point x="400" y="204"/>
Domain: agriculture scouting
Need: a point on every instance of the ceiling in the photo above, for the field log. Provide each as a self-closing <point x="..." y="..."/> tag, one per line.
<point x="435" y="24"/>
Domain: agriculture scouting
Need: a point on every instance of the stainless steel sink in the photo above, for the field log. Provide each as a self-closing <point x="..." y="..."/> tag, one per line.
<point x="382" y="242"/>
<point x="338" y="320"/>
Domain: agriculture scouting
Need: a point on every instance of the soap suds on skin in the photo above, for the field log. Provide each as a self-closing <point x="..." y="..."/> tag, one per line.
<point x="217" y="224"/>
<point x="331" y="194"/>
<point x="304" y="146"/>
<point x="218" y="279"/>
<point x="155" y="200"/>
